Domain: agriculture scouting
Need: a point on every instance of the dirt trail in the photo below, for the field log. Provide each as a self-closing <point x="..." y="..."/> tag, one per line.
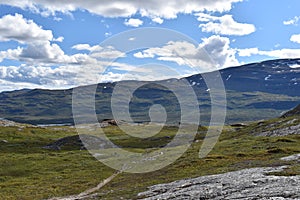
<point x="88" y="194"/>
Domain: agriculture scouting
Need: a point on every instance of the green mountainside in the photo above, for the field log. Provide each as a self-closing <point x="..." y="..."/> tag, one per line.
<point x="254" y="92"/>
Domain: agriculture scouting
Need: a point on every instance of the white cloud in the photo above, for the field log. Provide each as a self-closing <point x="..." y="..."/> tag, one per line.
<point x="158" y="20"/>
<point x="37" y="75"/>
<point x="125" y="8"/>
<point x="47" y="53"/>
<point x="277" y="45"/>
<point x="100" y="52"/>
<point x="37" y="43"/>
<point x="38" y="47"/>
<point x="295" y="38"/>
<point x="145" y="54"/>
<point x="224" y="25"/>
<point x="146" y="73"/>
<point x="87" y="47"/>
<point x="45" y="64"/>
<point x="281" y="53"/>
<point x="32" y="76"/>
<point x="133" y="22"/>
<point x="59" y="39"/>
<point x="15" y="27"/>
<point x="107" y="34"/>
<point x="248" y="52"/>
<point x="10" y="54"/>
<point x="213" y="52"/>
<point x="293" y="21"/>
<point x="218" y="48"/>
<point x="58" y="19"/>
<point x="202" y="17"/>
<point x="9" y="85"/>
<point x="67" y="76"/>
<point x="108" y="54"/>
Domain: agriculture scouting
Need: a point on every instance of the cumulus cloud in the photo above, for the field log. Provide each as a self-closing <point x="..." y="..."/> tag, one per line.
<point x="38" y="46"/>
<point x="218" y="48"/>
<point x="15" y="27"/>
<point x="37" y="43"/>
<point x="45" y="53"/>
<point x="293" y="21"/>
<point x="34" y="76"/>
<point x="224" y="25"/>
<point x="181" y="52"/>
<point x="125" y="8"/>
<point x="45" y="64"/>
<point x="12" y="54"/>
<point x="37" y="75"/>
<point x="71" y="75"/>
<point x="68" y="76"/>
<point x="295" y="38"/>
<point x="214" y="52"/>
<point x="133" y="22"/>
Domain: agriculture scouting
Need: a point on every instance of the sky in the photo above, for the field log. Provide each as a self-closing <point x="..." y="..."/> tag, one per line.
<point x="58" y="44"/>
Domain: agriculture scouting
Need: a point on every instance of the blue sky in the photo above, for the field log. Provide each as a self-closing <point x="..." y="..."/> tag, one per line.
<point x="58" y="44"/>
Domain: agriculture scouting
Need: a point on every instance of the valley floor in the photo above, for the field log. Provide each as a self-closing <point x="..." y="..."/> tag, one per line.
<point x="28" y="171"/>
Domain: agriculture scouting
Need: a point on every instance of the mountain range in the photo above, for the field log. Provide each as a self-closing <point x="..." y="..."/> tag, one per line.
<point x="254" y="91"/>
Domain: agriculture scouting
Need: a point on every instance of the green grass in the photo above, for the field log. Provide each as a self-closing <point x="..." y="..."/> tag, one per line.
<point x="29" y="172"/>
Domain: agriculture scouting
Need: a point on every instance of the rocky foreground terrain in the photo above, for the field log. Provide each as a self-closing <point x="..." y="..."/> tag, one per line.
<point x="247" y="184"/>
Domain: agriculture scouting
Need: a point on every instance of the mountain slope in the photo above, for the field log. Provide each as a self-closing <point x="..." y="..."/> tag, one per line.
<point x="295" y="111"/>
<point x="254" y="91"/>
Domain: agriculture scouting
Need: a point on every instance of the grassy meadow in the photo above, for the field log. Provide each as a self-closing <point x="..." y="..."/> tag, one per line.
<point x="27" y="171"/>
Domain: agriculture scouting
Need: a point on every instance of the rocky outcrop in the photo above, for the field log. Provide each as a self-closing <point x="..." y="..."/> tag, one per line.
<point x="8" y="123"/>
<point x="292" y="158"/>
<point x="245" y="184"/>
<point x="295" y="111"/>
<point x="108" y="122"/>
<point x="278" y="127"/>
<point x="290" y="130"/>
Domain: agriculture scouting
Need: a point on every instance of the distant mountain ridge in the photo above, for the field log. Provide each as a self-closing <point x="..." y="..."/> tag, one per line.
<point x="254" y="91"/>
<point x="272" y="76"/>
